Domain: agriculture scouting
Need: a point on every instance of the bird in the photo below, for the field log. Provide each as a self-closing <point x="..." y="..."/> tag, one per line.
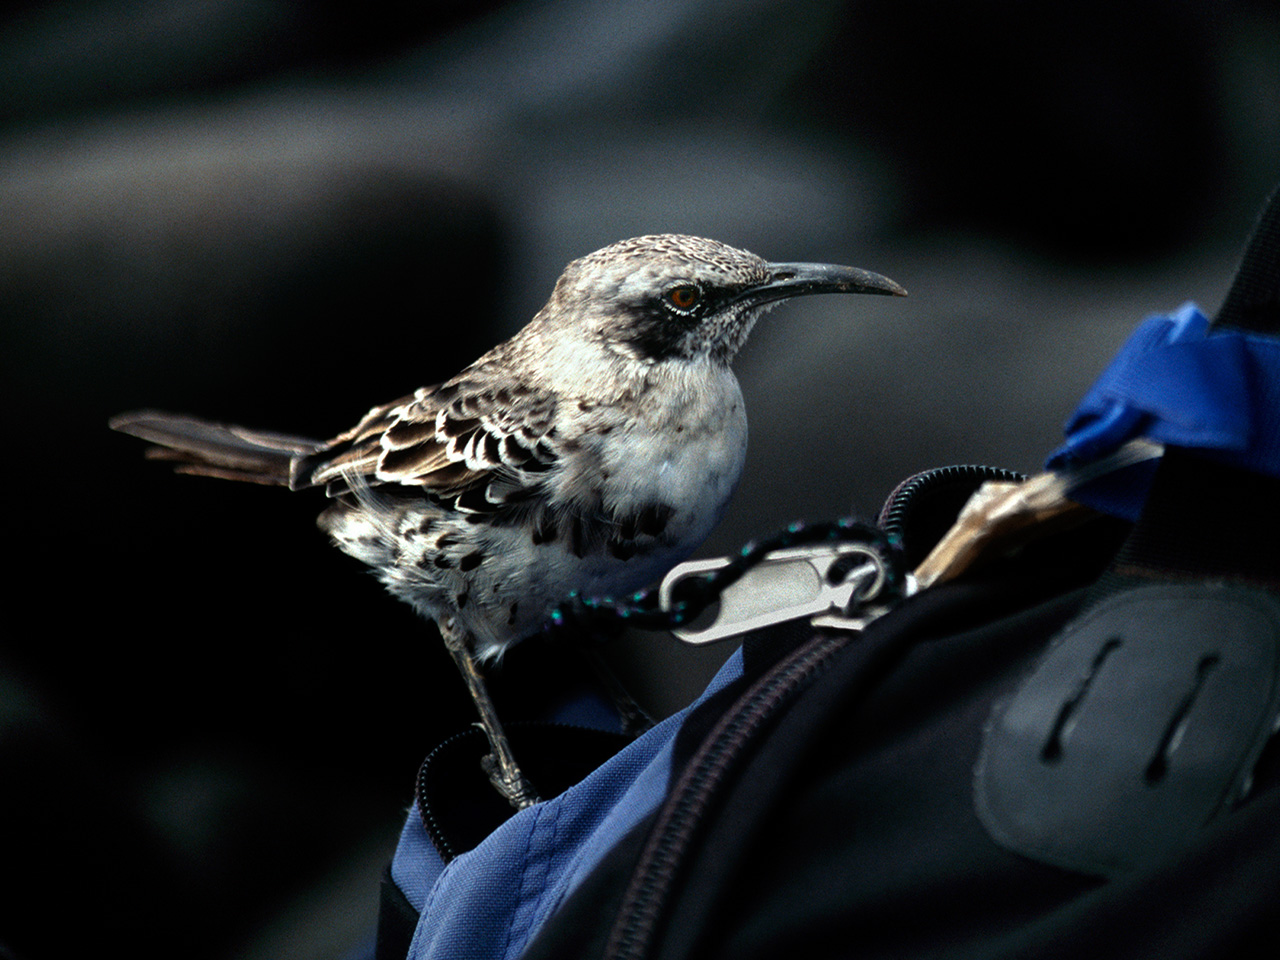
<point x="589" y="453"/>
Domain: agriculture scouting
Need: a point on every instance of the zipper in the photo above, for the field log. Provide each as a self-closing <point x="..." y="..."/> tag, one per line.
<point x="922" y="507"/>
<point x="429" y="822"/>
<point x="645" y="899"/>
<point x="644" y="903"/>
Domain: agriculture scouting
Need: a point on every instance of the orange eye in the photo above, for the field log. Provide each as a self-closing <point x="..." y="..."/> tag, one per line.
<point x="684" y="297"/>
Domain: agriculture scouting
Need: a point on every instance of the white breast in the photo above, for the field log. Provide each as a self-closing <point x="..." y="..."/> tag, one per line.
<point x="689" y="456"/>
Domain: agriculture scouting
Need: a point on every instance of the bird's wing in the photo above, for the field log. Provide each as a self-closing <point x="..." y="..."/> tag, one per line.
<point x="471" y="441"/>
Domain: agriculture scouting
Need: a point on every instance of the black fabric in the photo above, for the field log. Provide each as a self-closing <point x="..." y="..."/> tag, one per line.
<point x="924" y="882"/>
<point x="875" y="817"/>
<point x="853" y="832"/>
<point x="851" y="829"/>
<point x="727" y="856"/>
<point x="1142" y="723"/>
<point x="1204" y="520"/>
<point x="397" y="920"/>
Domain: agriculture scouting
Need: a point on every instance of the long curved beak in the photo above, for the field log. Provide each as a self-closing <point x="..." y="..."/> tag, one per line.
<point x="799" y="279"/>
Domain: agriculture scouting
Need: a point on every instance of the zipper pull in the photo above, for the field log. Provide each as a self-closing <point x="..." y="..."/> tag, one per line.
<point x="833" y="584"/>
<point x="1001" y="516"/>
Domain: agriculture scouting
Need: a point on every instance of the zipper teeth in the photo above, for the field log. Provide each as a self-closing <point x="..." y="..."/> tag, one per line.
<point x="893" y="517"/>
<point x="650" y="884"/>
<point x="428" y="819"/>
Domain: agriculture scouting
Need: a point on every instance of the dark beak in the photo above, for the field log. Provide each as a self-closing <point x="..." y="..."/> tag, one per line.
<point x="798" y="279"/>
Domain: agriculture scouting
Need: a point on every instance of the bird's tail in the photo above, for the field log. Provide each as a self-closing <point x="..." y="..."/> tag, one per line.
<point x="214" y="449"/>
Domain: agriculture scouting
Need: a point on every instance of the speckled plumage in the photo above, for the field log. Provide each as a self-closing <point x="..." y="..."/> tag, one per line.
<point x="591" y="451"/>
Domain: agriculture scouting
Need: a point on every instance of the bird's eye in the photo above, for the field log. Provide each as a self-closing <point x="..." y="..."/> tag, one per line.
<point x="684" y="297"/>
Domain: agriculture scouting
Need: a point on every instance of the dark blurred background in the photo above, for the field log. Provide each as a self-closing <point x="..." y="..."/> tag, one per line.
<point x="280" y="212"/>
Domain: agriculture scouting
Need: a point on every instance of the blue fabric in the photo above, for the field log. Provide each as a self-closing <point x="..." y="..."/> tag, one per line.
<point x="1176" y="382"/>
<point x="489" y="902"/>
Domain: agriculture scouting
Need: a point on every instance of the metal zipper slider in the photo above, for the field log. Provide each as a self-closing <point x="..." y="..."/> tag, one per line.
<point x="822" y="581"/>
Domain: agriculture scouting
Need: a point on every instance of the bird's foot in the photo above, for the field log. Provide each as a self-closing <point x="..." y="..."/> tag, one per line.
<point x="510" y="782"/>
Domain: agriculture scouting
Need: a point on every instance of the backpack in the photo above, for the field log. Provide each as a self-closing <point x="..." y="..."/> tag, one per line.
<point x="1062" y="748"/>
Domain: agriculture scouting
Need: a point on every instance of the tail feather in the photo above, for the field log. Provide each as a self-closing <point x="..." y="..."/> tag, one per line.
<point x="214" y="449"/>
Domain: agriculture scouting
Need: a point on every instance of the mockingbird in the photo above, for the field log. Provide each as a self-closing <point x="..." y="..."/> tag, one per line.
<point x="592" y="451"/>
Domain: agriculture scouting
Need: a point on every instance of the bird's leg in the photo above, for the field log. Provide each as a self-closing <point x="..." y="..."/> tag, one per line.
<point x="635" y="720"/>
<point x="500" y="763"/>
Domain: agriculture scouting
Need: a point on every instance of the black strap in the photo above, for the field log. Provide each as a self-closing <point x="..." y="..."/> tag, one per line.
<point x="1202" y="518"/>
<point x="1253" y="302"/>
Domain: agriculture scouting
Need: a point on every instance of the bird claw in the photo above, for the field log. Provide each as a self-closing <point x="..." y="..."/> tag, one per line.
<point x="511" y="783"/>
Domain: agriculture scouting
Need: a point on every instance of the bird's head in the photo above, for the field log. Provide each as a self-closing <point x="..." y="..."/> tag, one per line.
<point x="671" y="296"/>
